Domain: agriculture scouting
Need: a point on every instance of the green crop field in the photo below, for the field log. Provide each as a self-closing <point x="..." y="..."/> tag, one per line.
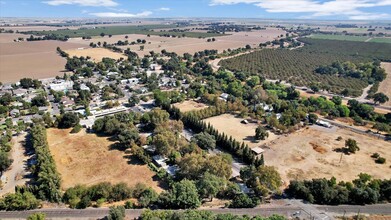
<point x="298" y="66"/>
<point x="381" y="40"/>
<point x="118" y="30"/>
<point x="339" y="37"/>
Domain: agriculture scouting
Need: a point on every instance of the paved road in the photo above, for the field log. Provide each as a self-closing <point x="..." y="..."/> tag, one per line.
<point x="322" y="212"/>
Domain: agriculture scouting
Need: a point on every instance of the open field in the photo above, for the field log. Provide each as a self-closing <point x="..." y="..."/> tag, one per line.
<point x="339" y="37"/>
<point x="9" y="38"/>
<point x="118" y="30"/>
<point x="230" y="125"/>
<point x="381" y="40"/>
<point x="309" y="153"/>
<point x="87" y="159"/>
<point x="97" y="54"/>
<point x="385" y="86"/>
<point x="37" y="59"/>
<point x="190" y="105"/>
<point x="189" y="45"/>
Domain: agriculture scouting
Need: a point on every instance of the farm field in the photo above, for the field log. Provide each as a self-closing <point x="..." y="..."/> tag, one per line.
<point x="118" y="30"/>
<point x="385" y="86"/>
<point x="309" y="153"/>
<point x="97" y="54"/>
<point x="381" y="40"/>
<point x="87" y="159"/>
<point x="189" y="45"/>
<point x="232" y="126"/>
<point x="190" y="105"/>
<point x="9" y="38"/>
<point x="339" y="37"/>
<point x="37" y="59"/>
<point x="297" y="66"/>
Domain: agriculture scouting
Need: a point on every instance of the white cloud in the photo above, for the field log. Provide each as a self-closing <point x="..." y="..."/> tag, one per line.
<point x="121" y="15"/>
<point x="348" y="8"/>
<point x="105" y="3"/>
<point x="163" y="9"/>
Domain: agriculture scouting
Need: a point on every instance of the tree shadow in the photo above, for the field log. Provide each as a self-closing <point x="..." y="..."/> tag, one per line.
<point x="117" y="146"/>
<point x="250" y="138"/>
<point x="161" y="183"/>
<point x="133" y="160"/>
<point x="343" y="150"/>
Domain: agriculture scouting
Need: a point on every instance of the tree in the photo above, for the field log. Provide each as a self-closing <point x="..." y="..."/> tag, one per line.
<point x="261" y="133"/>
<point x="37" y="216"/>
<point x="116" y="213"/>
<point x="243" y="201"/>
<point x="351" y="146"/>
<point x="5" y="162"/>
<point x="312" y="118"/>
<point x="337" y="100"/>
<point x="209" y="185"/>
<point x="205" y="140"/>
<point x="147" y="197"/>
<point x="102" y="34"/>
<point x="128" y="137"/>
<point x="380" y="98"/>
<point x="68" y="120"/>
<point x="6" y="99"/>
<point x="182" y="195"/>
<point x="262" y="179"/>
<point x="39" y="101"/>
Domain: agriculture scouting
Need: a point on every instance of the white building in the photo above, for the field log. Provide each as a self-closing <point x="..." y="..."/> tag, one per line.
<point x="61" y="85"/>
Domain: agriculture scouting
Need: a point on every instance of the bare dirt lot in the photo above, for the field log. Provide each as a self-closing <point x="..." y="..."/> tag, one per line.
<point x="232" y="126"/>
<point x="87" y="159"/>
<point x="385" y="86"/>
<point x="190" y="45"/>
<point x="97" y="54"/>
<point x="310" y="153"/>
<point x="190" y="105"/>
<point x="37" y="59"/>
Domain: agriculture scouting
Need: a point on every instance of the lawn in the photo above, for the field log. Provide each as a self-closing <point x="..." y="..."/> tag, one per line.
<point x="88" y="159"/>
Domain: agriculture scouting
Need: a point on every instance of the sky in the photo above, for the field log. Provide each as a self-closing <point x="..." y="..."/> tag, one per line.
<point x="266" y="9"/>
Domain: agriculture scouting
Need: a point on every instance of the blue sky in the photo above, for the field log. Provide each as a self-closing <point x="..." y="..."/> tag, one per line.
<point x="277" y="9"/>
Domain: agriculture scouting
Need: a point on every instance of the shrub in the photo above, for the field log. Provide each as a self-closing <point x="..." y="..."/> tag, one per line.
<point x="375" y="155"/>
<point x="76" y="129"/>
<point x="380" y="160"/>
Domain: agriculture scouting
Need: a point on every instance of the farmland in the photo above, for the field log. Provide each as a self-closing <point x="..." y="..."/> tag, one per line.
<point x="381" y="40"/>
<point x="309" y="153"/>
<point x="33" y="59"/>
<point x="232" y="126"/>
<point x="297" y="66"/>
<point x="339" y="37"/>
<point x="186" y="44"/>
<point x="97" y="54"/>
<point x="118" y="30"/>
<point x="87" y="159"/>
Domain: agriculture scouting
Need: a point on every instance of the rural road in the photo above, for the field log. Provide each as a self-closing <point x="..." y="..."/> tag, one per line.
<point x="324" y="212"/>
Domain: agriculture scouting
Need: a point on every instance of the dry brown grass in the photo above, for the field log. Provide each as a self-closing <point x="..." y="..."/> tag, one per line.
<point x="385" y="86"/>
<point x="190" y="45"/>
<point x="87" y="159"/>
<point x="310" y="153"/>
<point x="190" y="105"/>
<point x="230" y="125"/>
<point x="37" y="59"/>
<point x="97" y="54"/>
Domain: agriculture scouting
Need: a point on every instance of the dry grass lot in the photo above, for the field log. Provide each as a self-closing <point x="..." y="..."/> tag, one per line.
<point x="309" y="153"/>
<point x="97" y="54"/>
<point x="190" y="45"/>
<point x="385" y="86"/>
<point x="87" y="159"/>
<point x="37" y="59"/>
<point x="230" y="125"/>
<point x="190" y="105"/>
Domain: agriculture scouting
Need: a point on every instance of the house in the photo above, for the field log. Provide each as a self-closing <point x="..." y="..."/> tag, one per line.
<point x="160" y="161"/>
<point x="149" y="148"/>
<point x="14" y="113"/>
<point x="84" y="87"/>
<point x="133" y="81"/>
<point x="266" y="107"/>
<point x="19" y="92"/>
<point x="224" y="96"/>
<point x="257" y="150"/>
<point x="66" y="101"/>
<point x="61" y="85"/>
<point x="323" y="123"/>
<point x="172" y="170"/>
